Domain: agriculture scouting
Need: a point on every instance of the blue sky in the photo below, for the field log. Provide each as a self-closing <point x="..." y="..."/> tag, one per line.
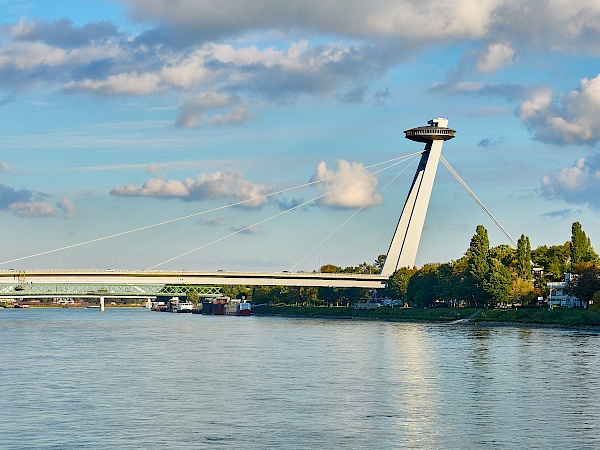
<point x="128" y="113"/>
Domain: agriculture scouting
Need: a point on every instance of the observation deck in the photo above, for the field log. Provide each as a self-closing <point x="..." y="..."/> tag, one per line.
<point x="436" y="131"/>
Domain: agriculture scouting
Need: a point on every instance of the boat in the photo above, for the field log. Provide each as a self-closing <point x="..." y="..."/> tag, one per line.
<point x="185" y="307"/>
<point x="18" y="305"/>
<point x="90" y="307"/>
<point x="215" y="306"/>
<point x="237" y="307"/>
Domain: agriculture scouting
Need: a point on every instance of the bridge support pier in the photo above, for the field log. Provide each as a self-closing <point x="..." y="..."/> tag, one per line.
<point x="405" y="243"/>
<point x="101" y="303"/>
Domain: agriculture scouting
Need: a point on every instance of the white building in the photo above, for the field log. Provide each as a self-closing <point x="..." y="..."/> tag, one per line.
<point x="559" y="294"/>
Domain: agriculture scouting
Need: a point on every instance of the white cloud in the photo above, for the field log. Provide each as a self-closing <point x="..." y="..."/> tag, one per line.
<point x="154" y="187"/>
<point x="377" y="18"/>
<point x="120" y="84"/>
<point x="578" y="184"/>
<point x="194" y="111"/>
<point x="236" y="116"/>
<point x="4" y="167"/>
<point x="350" y="185"/>
<point x="32" y="209"/>
<point x="496" y="57"/>
<point x="195" y="108"/>
<point x="188" y="49"/>
<point x="214" y="186"/>
<point x="570" y="118"/>
<point x="186" y="74"/>
<point x="25" y="56"/>
<point x="68" y="208"/>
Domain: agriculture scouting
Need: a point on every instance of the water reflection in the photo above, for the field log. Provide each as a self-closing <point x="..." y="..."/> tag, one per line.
<point x="135" y="379"/>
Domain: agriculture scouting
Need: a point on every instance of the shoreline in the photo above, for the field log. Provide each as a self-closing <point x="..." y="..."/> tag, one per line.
<point x="578" y="320"/>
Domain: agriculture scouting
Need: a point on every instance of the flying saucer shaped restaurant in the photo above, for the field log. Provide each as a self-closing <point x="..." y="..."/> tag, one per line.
<point x="433" y="132"/>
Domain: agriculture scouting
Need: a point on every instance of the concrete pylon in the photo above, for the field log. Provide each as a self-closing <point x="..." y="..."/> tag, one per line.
<point x="405" y="243"/>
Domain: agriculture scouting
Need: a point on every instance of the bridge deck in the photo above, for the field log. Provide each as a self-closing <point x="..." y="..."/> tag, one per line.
<point x="139" y="278"/>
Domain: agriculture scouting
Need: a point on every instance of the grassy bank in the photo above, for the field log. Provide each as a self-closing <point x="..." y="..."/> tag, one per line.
<point x="568" y="318"/>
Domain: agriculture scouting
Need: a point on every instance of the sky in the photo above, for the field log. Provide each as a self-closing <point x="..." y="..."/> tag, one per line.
<point x="149" y="133"/>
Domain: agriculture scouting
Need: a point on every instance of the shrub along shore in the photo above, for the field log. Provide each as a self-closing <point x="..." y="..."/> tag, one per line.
<point x="560" y="318"/>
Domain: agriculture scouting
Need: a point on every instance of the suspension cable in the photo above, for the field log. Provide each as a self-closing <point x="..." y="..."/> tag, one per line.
<point x="279" y="214"/>
<point x="479" y="202"/>
<point x="166" y="222"/>
<point x="354" y="214"/>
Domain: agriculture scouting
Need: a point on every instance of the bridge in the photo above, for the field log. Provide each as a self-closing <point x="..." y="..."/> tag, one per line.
<point x="150" y="283"/>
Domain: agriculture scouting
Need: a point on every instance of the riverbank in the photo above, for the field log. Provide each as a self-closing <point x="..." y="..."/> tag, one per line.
<point x="564" y="318"/>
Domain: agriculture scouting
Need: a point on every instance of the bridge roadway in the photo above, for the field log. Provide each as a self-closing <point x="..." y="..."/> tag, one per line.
<point x="138" y="279"/>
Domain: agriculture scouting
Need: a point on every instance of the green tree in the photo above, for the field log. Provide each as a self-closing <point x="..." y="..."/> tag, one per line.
<point x="379" y="262"/>
<point x="365" y="268"/>
<point x="555" y="260"/>
<point x="309" y="295"/>
<point x="478" y="257"/>
<point x="398" y="283"/>
<point x="523" y="258"/>
<point x="595" y="303"/>
<point x="192" y="296"/>
<point x="496" y="282"/>
<point x="585" y="281"/>
<point x="505" y="254"/>
<point x="447" y="282"/>
<point x="581" y="246"/>
<point x="330" y="268"/>
<point x="422" y="286"/>
<point x="521" y="291"/>
<point x="329" y="295"/>
<point x="479" y="253"/>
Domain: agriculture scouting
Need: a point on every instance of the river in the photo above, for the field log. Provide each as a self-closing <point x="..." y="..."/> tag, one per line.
<point x="134" y="379"/>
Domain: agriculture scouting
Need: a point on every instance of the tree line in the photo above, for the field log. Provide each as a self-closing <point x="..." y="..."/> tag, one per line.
<point x="483" y="277"/>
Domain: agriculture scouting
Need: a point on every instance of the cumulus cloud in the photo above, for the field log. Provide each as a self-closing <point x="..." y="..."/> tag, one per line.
<point x="187" y="50"/>
<point x="496" y="57"/>
<point x="558" y="25"/>
<point x="62" y="33"/>
<point x="578" y="184"/>
<point x="349" y="185"/>
<point x="194" y="112"/>
<point x="571" y="118"/>
<point x="120" y="84"/>
<point x="10" y="195"/>
<point x="29" y="204"/>
<point x="4" y="167"/>
<point x="67" y="207"/>
<point x="229" y="185"/>
<point x="32" y="209"/>
<point x="375" y="19"/>
<point x="236" y="116"/>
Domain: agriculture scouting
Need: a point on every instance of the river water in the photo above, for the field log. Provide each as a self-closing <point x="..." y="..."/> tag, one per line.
<point x="135" y="379"/>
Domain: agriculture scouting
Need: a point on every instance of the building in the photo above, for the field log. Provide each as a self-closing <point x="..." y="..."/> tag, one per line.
<point x="559" y="295"/>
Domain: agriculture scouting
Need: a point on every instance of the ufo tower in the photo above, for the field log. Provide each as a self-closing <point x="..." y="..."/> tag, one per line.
<point x="403" y="249"/>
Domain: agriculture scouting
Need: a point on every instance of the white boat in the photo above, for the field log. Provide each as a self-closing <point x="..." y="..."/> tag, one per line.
<point x="185" y="307"/>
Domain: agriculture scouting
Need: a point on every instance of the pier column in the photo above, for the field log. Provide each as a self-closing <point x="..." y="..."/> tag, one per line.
<point x="405" y="243"/>
<point x="101" y="303"/>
